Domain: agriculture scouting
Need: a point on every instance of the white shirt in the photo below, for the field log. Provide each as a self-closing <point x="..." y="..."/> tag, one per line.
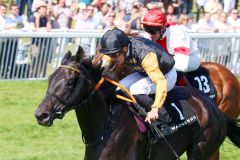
<point x="177" y="37"/>
<point x="2" y="22"/>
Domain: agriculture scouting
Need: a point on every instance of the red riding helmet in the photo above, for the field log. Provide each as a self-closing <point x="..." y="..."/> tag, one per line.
<point x="154" y="18"/>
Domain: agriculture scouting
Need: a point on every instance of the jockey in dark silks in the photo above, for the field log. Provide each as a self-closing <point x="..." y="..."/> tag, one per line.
<point x="153" y="68"/>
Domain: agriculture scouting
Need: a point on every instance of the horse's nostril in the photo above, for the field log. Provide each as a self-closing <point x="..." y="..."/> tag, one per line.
<point x="43" y="116"/>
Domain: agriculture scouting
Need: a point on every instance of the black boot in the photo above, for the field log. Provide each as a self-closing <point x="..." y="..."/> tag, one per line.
<point x="146" y="102"/>
<point x="164" y="116"/>
<point x="163" y="120"/>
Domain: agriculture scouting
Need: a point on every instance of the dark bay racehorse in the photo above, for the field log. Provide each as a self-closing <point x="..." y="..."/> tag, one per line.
<point x="109" y="128"/>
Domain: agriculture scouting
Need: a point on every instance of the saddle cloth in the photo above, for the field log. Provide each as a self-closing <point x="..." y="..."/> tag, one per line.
<point x="201" y="80"/>
<point x="180" y="112"/>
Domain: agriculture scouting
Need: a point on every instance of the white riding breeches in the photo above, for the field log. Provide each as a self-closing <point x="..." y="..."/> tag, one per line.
<point x="185" y="63"/>
<point x="138" y="84"/>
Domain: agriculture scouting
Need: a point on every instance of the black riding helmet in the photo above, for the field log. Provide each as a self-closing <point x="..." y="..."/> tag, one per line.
<point x="113" y="41"/>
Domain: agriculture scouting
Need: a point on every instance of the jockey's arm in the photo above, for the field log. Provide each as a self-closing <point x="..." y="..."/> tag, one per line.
<point x="151" y="66"/>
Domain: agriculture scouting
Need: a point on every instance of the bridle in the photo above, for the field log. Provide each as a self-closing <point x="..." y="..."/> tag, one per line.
<point x="63" y="109"/>
<point x="65" y="104"/>
<point x="95" y="87"/>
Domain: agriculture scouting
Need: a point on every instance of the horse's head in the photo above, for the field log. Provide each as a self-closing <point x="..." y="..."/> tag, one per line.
<point x="68" y="86"/>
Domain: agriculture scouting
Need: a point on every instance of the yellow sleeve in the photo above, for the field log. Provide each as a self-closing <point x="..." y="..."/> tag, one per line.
<point x="150" y="65"/>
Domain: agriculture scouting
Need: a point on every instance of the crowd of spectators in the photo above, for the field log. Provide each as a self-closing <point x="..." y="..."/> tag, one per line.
<point x="217" y="16"/>
<point x="50" y="15"/>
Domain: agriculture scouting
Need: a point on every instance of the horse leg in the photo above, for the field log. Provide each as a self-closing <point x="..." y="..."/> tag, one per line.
<point x="194" y="152"/>
<point x="205" y="148"/>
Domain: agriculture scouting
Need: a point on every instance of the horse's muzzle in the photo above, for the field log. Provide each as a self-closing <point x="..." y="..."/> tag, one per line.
<point x="44" y="118"/>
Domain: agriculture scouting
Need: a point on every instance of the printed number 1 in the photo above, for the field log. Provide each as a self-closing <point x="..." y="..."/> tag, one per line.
<point x="180" y="113"/>
<point x="203" y="84"/>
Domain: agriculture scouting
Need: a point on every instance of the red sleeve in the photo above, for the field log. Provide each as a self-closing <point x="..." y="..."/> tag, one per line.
<point x="182" y="50"/>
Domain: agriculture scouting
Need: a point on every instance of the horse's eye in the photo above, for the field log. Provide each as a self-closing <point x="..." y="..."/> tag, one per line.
<point x="70" y="82"/>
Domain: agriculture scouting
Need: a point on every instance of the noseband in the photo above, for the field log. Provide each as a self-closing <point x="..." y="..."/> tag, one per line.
<point x="95" y="87"/>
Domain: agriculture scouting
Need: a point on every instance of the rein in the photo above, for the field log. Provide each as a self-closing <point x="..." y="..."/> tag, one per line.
<point x="109" y="119"/>
<point x="100" y="82"/>
<point x="131" y="99"/>
<point x="97" y="86"/>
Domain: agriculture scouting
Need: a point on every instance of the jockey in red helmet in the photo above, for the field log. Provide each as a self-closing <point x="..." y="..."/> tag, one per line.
<point x="174" y="39"/>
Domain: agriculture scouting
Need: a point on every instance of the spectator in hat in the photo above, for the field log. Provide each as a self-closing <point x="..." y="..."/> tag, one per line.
<point x="80" y="11"/>
<point x="98" y="3"/>
<point x="40" y="20"/>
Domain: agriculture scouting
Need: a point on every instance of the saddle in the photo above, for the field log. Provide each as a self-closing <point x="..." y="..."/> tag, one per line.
<point x="173" y="115"/>
<point x="199" y="79"/>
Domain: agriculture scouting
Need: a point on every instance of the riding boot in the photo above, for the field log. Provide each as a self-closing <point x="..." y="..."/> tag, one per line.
<point x="163" y="120"/>
<point x="146" y="102"/>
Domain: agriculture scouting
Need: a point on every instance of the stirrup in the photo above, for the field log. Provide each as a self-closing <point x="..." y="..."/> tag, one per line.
<point x="165" y="130"/>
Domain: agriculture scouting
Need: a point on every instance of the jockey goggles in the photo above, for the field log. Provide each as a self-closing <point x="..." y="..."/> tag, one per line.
<point x="115" y="55"/>
<point x="152" y="30"/>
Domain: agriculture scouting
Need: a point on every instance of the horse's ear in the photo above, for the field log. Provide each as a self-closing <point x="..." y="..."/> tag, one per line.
<point x="66" y="57"/>
<point x="79" y="54"/>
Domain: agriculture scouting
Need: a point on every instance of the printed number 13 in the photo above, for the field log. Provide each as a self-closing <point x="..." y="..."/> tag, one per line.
<point x="203" y="84"/>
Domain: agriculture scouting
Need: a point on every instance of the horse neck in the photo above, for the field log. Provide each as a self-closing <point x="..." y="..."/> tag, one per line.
<point x="93" y="117"/>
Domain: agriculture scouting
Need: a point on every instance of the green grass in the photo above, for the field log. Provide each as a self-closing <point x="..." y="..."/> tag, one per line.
<point x="21" y="138"/>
